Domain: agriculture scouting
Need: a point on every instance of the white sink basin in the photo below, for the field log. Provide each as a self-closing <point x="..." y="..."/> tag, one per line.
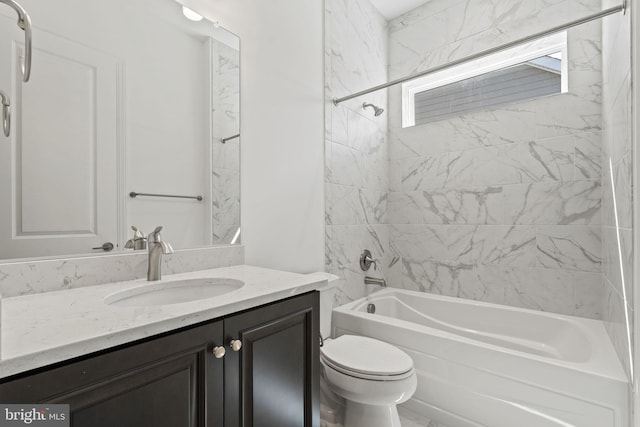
<point x="173" y="292"/>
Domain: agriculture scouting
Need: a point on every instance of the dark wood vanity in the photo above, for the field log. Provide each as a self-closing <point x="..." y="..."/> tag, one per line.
<point x="175" y="380"/>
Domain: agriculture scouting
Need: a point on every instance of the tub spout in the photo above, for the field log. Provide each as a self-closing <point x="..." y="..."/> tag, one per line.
<point x="374" y="281"/>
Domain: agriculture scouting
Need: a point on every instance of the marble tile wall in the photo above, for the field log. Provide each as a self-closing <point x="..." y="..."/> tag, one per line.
<point x="225" y="157"/>
<point x="512" y="205"/>
<point x="505" y="205"/>
<point x="617" y="184"/>
<point x="356" y="176"/>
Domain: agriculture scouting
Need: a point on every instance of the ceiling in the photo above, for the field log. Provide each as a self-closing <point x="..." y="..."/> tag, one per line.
<point x="391" y="9"/>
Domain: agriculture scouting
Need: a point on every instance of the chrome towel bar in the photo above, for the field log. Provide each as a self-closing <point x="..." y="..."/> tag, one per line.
<point x="224" y="140"/>
<point x="133" y="194"/>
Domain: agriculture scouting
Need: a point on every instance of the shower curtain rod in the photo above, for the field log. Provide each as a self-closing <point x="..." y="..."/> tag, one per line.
<point x="584" y="20"/>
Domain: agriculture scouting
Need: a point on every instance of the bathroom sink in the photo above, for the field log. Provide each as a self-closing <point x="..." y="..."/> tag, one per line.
<point x="173" y="292"/>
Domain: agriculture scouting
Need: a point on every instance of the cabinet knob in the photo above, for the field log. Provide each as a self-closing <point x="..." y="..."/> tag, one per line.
<point x="235" y="345"/>
<point x="218" y="352"/>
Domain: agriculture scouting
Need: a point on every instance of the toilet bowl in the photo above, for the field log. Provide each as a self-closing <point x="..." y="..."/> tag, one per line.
<point x="372" y="376"/>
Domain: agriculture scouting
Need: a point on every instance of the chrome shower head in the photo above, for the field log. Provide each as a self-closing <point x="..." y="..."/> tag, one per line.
<point x="376" y="110"/>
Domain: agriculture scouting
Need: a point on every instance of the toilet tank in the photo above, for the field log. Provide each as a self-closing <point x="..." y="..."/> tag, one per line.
<point x="327" y="294"/>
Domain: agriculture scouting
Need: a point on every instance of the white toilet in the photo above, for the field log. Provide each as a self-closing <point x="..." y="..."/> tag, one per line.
<point x="372" y="376"/>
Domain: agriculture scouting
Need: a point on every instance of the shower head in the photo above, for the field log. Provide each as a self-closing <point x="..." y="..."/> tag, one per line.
<point x="376" y="110"/>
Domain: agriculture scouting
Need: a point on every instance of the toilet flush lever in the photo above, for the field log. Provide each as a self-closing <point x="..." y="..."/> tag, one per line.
<point x="366" y="260"/>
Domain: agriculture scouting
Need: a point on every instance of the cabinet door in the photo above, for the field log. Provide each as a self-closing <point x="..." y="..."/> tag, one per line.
<point x="169" y="381"/>
<point x="276" y="372"/>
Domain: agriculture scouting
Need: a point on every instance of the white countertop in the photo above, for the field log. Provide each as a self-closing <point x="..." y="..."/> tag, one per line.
<point x="42" y="329"/>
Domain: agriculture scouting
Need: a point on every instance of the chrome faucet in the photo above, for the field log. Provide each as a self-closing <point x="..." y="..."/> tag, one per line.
<point x="138" y="242"/>
<point x="374" y="281"/>
<point x="157" y="247"/>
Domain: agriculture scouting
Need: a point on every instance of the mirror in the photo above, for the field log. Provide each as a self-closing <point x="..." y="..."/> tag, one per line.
<point x="125" y="96"/>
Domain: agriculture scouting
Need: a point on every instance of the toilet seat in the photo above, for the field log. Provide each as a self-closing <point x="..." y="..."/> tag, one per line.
<point x="366" y="358"/>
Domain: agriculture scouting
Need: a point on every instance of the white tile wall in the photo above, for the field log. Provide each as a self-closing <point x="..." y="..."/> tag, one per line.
<point x="514" y="188"/>
<point x="512" y="206"/>
<point x="357" y="179"/>
<point x="617" y="232"/>
<point x="225" y="157"/>
<point x="502" y="205"/>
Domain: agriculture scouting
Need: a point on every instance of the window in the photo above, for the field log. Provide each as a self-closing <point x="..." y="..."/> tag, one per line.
<point x="517" y="74"/>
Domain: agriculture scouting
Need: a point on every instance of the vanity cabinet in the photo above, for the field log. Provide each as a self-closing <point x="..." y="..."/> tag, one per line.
<point x="167" y="381"/>
<point x="276" y="373"/>
<point x="269" y="377"/>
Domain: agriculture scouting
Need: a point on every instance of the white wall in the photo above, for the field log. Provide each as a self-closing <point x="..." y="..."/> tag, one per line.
<point x="282" y="157"/>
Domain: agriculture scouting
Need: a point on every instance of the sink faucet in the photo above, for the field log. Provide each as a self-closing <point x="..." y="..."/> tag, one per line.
<point x="157" y="247"/>
<point x="138" y="242"/>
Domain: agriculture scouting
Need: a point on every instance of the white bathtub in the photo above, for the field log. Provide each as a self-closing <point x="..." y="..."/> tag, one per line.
<point x="483" y="364"/>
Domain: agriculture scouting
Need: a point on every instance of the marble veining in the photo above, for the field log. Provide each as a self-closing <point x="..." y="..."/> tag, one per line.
<point x="226" y="198"/>
<point x="570" y="248"/>
<point x="490" y="244"/>
<point x="419" y="173"/>
<point x="471" y="205"/>
<point x="351" y="206"/>
<point x="480" y="197"/>
<point x="225" y="161"/>
<point x="588" y="158"/>
<point x="513" y="205"/>
<point x="357" y="177"/>
<point x="513" y="191"/>
<point x="42" y="329"/>
<point x="572" y="202"/>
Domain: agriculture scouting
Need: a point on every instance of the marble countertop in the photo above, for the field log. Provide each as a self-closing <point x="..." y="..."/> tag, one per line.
<point x="42" y="329"/>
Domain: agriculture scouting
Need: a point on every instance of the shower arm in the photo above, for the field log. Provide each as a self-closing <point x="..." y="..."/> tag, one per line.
<point x="24" y="22"/>
<point x="6" y="113"/>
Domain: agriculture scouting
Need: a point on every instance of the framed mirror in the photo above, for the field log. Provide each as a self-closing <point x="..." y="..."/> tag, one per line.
<point x="130" y="118"/>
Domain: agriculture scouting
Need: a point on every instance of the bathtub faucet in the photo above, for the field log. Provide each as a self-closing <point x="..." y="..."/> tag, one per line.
<point x="366" y="260"/>
<point x="373" y="281"/>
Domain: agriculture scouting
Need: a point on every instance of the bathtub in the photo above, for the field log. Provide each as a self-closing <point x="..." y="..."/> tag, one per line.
<point x="482" y="364"/>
